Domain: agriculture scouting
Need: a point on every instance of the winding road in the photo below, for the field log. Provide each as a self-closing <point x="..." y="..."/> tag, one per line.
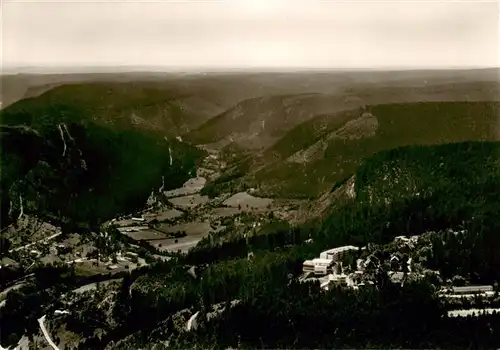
<point x="41" y="322"/>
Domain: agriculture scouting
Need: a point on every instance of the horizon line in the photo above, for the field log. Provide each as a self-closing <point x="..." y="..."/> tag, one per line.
<point x="65" y="69"/>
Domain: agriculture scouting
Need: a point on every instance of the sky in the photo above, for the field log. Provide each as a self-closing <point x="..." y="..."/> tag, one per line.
<point x="250" y="34"/>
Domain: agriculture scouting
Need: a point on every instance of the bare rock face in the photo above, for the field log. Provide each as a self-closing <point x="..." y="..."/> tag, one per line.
<point x="364" y="126"/>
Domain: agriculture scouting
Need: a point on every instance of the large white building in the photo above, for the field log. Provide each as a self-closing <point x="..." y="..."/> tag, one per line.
<point x="337" y="254"/>
<point x="327" y="260"/>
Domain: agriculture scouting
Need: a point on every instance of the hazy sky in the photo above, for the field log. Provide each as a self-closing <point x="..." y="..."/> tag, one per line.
<point x="251" y="33"/>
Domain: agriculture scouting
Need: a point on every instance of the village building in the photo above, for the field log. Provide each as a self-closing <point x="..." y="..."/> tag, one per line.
<point x="397" y="277"/>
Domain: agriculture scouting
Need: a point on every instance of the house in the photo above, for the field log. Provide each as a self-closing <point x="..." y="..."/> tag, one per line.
<point x="414" y="238"/>
<point x="131" y="254"/>
<point x="396" y="277"/>
<point x="364" y="284"/>
<point x="371" y="262"/>
<point x="395" y="261"/>
<point x="408" y="264"/>
<point x="63" y="248"/>
<point x="403" y="240"/>
<point x="35" y="252"/>
<point x="61" y="312"/>
<point x="360" y="264"/>
<point x="333" y="280"/>
<point x="354" y="279"/>
<point x="192" y="272"/>
<point x="400" y="239"/>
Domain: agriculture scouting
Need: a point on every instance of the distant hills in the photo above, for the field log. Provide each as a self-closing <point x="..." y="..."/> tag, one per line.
<point x="258" y="123"/>
<point x="232" y="87"/>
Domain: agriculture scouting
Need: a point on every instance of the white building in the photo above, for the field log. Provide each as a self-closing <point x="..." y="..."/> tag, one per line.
<point x="337" y="254"/>
<point x="334" y="280"/>
<point x="467" y="292"/>
<point x="317" y="266"/>
<point x="322" y="266"/>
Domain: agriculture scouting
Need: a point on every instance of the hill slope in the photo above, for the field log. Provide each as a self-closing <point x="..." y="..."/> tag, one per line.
<point x="326" y="150"/>
<point x="257" y="123"/>
<point x="64" y="161"/>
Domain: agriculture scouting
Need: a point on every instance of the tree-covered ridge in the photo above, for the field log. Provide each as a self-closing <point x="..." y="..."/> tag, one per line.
<point x="68" y="165"/>
<point x="420" y="170"/>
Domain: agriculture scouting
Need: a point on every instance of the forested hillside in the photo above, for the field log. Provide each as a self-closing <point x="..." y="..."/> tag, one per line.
<point x="63" y="161"/>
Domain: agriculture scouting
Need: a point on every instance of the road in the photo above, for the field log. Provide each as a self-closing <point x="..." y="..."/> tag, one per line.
<point x="91" y="286"/>
<point x="191" y="323"/>
<point x="41" y="322"/>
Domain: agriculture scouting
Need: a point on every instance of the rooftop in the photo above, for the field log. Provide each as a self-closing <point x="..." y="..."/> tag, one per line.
<point x="341" y="249"/>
